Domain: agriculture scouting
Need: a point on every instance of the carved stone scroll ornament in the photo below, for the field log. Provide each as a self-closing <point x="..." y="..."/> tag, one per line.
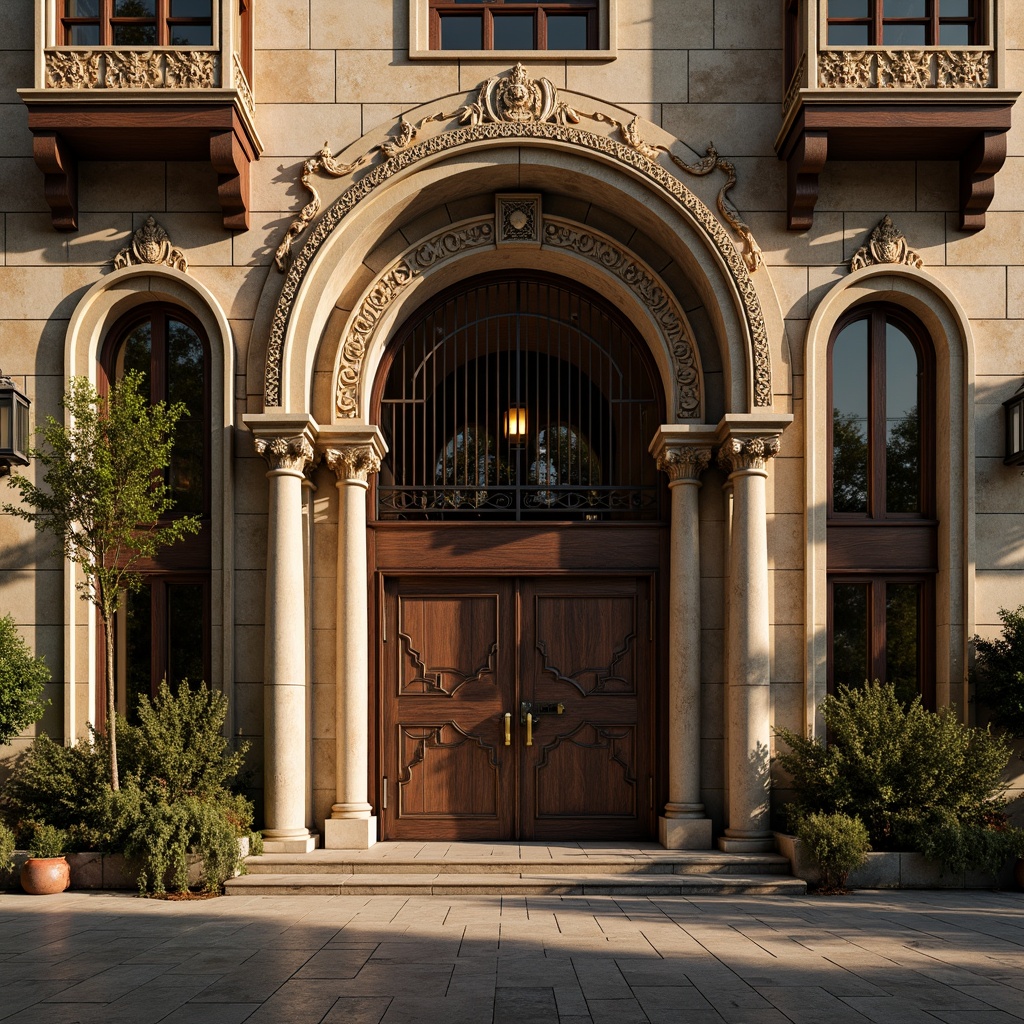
<point x="904" y="69"/>
<point x="150" y="244"/>
<point x="353" y="462"/>
<point x="642" y="282"/>
<point x="561" y="129"/>
<point x="886" y="244"/>
<point x="964" y="69"/>
<point x="69" y="70"/>
<point x="134" y="69"/>
<point x="684" y="463"/>
<point x="287" y="453"/>
<point x="191" y="70"/>
<point x="383" y="293"/>
<point x="738" y="454"/>
<point x="844" y="69"/>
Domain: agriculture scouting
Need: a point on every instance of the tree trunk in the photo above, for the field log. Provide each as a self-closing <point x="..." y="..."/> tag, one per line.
<point x="108" y="638"/>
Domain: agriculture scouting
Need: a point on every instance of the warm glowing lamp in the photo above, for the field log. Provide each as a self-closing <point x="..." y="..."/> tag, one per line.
<point x="515" y="424"/>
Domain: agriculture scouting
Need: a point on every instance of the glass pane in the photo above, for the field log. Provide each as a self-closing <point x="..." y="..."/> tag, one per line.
<point x="135" y="35"/>
<point x="192" y="35"/>
<point x="954" y="8"/>
<point x="82" y="8"/>
<point x="134" y="8"/>
<point x="567" y="31"/>
<point x="902" y="615"/>
<point x="191" y="8"/>
<point x="564" y="457"/>
<point x="904" y="35"/>
<point x="84" y="35"/>
<point x="954" y="35"/>
<point x="848" y="35"/>
<point x="138" y="670"/>
<point x="850" y="634"/>
<point x="850" y="419"/>
<point x="6" y="422"/>
<point x="185" y="384"/>
<point x="135" y="354"/>
<point x="848" y="8"/>
<point x="459" y="32"/>
<point x="513" y="32"/>
<point x="902" y="424"/>
<point x="184" y="634"/>
<point x="904" y="9"/>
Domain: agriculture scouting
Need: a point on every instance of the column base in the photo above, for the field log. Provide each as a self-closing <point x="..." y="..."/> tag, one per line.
<point x="685" y="833"/>
<point x="729" y="844"/>
<point x="350" y="833"/>
<point x="292" y="844"/>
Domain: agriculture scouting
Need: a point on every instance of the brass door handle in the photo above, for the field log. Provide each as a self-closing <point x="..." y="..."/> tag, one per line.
<point x="529" y="729"/>
<point x="508" y="728"/>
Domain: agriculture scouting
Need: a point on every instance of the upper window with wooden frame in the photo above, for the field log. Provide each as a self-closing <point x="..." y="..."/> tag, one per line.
<point x="902" y="23"/>
<point x="514" y="25"/>
<point x="136" y="22"/>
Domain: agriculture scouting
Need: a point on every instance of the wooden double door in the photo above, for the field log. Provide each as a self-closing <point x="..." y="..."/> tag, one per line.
<point x="466" y="660"/>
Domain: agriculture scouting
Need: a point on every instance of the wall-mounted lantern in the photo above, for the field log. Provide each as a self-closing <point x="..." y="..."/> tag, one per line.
<point x="515" y="425"/>
<point x="13" y="425"/>
<point x="1013" y="410"/>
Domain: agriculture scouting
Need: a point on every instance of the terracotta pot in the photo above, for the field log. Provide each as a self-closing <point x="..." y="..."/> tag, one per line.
<point x="44" y="876"/>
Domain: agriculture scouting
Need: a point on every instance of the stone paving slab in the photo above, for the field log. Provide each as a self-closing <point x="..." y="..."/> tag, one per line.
<point x="893" y="958"/>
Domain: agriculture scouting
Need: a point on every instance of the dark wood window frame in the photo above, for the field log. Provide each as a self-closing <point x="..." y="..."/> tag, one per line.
<point x="932" y="21"/>
<point x="107" y="21"/>
<point x="877" y="547"/>
<point x="540" y="9"/>
<point x="190" y="561"/>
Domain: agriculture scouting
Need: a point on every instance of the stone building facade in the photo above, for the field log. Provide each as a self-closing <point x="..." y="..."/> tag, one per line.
<point x="575" y="397"/>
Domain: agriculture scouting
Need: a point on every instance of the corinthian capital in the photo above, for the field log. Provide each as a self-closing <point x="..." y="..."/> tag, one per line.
<point x="683" y="462"/>
<point x="353" y="462"/>
<point x="739" y="453"/>
<point x="293" y="453"/>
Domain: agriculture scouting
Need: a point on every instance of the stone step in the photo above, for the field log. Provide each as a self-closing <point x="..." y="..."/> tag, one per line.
<point x="460" y="861"/>
<point x="511" y="884"/>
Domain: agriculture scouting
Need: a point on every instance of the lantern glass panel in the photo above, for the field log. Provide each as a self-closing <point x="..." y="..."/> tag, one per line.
<point x="6" y="422"/>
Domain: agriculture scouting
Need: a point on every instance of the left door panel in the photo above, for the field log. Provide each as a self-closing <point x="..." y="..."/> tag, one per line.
<point x="449" y="664"/>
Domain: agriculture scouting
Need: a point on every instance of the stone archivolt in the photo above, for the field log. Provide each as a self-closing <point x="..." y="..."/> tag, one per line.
<point x="904" y="69"/>
<point x="132" y="69"/>
<point x="498" y="118"/>
<point x="886" y="244"/>
<point x="150" y="244"/>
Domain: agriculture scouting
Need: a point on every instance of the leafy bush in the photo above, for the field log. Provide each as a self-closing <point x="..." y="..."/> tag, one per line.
<point x="47" y="841"/>
<point x="22" y="678"/>
<point x="919" y="780"/>
<point x="174" y="799"/>
<point x="6" y="851"/>
<point x="838" y="843"/>
<point x="998" y="674"/>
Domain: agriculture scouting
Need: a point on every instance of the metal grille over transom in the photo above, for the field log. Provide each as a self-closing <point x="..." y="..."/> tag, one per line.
<point x="522" y="398"/>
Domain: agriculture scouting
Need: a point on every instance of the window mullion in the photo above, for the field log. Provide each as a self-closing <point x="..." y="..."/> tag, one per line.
<point x="878" y="31"/>
<point x="876" y="601"/>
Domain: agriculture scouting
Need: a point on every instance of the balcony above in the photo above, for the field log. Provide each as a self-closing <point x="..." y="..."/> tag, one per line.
<point x="888" y="103"/>
<point x="144" y="103"/>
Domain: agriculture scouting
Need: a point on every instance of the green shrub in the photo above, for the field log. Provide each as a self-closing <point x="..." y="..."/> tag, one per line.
<point x="6" y="851"/>
<point x="838" y="843"/>
<point x="919" y="780"/>
<point x="22" y="678"/>
<point x="998" y="673"/>
<point x="175" y="798"/>
<point x="47" y="841"/>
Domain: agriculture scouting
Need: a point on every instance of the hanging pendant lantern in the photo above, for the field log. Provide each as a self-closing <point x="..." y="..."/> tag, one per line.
<point x="14" y="427"/>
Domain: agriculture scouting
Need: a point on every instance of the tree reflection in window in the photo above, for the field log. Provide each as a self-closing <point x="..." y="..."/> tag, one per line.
<point x="470" y="460"/>
<point x="563" y="458"/>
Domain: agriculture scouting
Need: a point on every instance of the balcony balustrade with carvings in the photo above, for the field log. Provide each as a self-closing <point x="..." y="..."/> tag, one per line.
<point x="192" y="101"/>
<point x="934" y="89"/>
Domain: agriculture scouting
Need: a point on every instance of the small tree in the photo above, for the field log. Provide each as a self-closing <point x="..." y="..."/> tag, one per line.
<point x="104" y="498"/>
<point x="998" y="674"/>
<point x="22" y="678"/>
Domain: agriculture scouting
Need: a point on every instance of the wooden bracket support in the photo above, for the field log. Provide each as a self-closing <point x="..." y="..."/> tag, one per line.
<point x="978" y="168"/>
<point x="57" y="160"/>
<point x="803" y="166"/>
<point x="231" y="162"/>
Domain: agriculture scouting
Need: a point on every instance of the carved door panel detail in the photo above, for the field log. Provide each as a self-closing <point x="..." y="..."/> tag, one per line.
<point x="457" y="655"/>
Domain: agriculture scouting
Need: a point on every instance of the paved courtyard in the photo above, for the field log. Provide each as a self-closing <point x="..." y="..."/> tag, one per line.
<point x="900" y="958"/>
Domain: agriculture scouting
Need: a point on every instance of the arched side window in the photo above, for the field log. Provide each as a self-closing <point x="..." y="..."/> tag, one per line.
<point x="882" y="531"/>
<point x="163" y="630"/>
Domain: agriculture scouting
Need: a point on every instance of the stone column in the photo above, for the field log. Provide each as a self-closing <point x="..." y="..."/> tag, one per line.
<point x="748" y="698"/>
<point x="684" y="825"/>
<point x="353" y="456"/>
<point x="284" y="684"/>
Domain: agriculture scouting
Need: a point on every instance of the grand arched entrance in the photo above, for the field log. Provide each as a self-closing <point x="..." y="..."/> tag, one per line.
<point x="518" y="543"/>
